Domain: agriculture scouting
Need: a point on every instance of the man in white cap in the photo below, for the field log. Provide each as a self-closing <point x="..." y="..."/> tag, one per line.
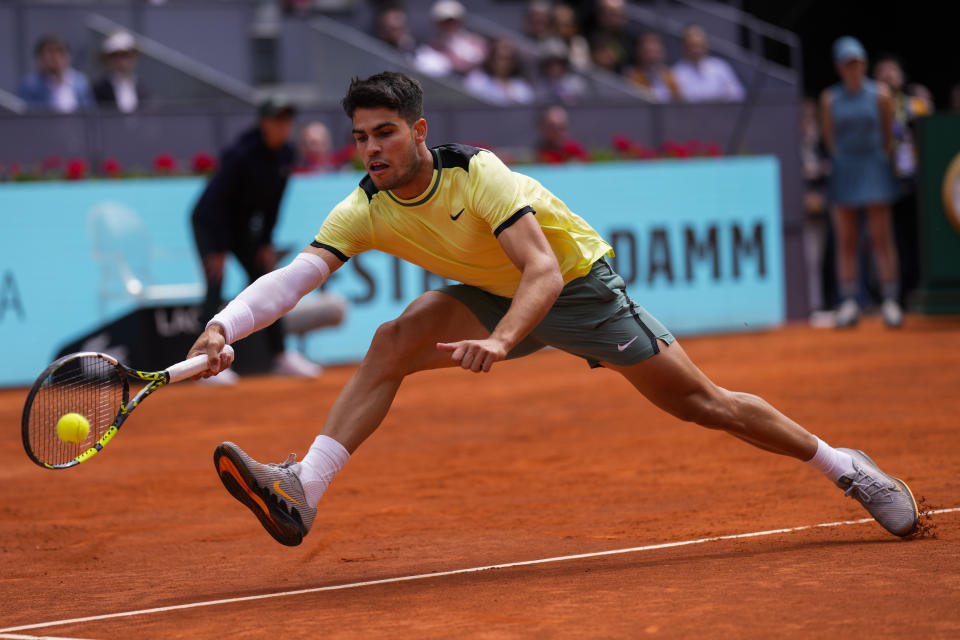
<point x="119" y="88"/>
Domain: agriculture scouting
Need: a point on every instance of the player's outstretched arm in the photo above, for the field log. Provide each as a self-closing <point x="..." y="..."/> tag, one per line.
<point x="540" y="284"/>
<point x="263" y="302"/>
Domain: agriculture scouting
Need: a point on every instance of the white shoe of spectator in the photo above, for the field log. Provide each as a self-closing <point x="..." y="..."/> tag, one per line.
<point x="892" y="313"/>
<point x="224" y="378"/>
<point x="291" y="363"/>
<point x="848" y="314"/>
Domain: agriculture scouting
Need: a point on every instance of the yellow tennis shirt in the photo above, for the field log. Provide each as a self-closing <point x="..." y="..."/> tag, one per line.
<point x="451" y="229"/>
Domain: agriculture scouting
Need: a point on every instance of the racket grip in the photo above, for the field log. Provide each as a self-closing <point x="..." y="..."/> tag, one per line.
<point x="193" y="366"/>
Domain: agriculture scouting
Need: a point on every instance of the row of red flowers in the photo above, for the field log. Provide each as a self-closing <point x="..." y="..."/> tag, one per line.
<point x="203" y="163"/>
<point x="57" y="167"/>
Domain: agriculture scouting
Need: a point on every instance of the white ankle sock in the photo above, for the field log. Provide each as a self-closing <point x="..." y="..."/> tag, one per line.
<point x="324" y="459"/>
<point x="830" y="462"/>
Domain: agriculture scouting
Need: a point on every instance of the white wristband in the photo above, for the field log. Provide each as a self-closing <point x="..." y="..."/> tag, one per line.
<point x="271" y="296"/>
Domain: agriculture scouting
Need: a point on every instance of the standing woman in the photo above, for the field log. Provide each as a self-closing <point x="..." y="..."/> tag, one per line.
<point x="857" y="116"/>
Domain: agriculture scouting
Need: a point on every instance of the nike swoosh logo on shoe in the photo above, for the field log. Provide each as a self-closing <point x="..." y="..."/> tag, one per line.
<point x="276" y="487"/>
<point x="621" y="347"/>
<point x="456" y="216"/>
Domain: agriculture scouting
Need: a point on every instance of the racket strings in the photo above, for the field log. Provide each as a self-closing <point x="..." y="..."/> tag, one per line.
<point x="89" y="385"/>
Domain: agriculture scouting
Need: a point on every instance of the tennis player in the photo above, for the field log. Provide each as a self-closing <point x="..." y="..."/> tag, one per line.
<point x="533" y="273"/>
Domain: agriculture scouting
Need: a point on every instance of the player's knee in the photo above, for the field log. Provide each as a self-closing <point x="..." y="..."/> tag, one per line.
<point x="392" y="346"/>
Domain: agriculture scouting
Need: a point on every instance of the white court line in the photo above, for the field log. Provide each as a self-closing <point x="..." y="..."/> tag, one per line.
<point x="17" y="636"/>
<point x="440" y="574"/>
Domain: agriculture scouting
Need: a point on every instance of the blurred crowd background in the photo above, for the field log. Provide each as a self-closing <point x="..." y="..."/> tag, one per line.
<point x="113" y="89"/>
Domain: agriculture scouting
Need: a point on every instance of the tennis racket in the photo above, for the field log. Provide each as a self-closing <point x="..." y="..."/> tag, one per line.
<point x="96" y="386"/>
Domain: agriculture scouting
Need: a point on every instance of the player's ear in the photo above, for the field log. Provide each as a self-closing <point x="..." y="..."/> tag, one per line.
<point x="420" y="131"/>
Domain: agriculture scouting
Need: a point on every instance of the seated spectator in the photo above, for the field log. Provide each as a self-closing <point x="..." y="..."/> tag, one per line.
<point x="567" y="30"/>
<point x="315" y="152"/>
<point x="556" y="82"/>
<point x="55" y="85"/>
<point x="500" y="80"/>
<point x="705" y="78"/>
<point x="465" y="51"/>
<point x="538" y="19"/>
<point x="394" y="29"/>
<point x="119" y="89"/>
<point x="603" y="54"/>
<point x="611" y="29"/>
<point x="555" y="146"/>
<point x="651" y="72"/>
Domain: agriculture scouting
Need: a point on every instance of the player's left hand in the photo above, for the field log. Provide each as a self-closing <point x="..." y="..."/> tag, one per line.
<point x="475" y="355"/>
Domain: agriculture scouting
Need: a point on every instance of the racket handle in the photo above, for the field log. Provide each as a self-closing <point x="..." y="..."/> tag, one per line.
<point x="193" y="366"/>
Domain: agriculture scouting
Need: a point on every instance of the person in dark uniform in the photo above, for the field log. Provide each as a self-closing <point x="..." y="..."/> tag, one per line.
<point x="238" y="210"/>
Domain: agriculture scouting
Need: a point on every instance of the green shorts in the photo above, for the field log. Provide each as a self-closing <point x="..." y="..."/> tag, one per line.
<point x="592" y="318"/>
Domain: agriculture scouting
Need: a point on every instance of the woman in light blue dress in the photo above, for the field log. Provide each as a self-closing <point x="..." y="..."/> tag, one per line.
<point x="857" y="123"/>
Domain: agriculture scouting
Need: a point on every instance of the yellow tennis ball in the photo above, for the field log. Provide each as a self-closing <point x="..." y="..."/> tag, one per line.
<point x="73" y="428"/>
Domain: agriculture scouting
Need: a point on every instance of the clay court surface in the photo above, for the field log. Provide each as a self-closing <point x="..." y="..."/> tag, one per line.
<point x="540" y="459"/>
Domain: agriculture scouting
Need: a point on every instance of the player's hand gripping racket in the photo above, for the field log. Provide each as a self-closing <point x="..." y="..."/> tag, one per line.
<point x="95" y="386"/>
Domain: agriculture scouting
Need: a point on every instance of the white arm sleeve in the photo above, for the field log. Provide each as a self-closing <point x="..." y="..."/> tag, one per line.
<point x="271" y="296"/>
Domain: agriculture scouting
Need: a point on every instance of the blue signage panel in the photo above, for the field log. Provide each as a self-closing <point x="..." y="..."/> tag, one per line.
<point x="698" y="241"/>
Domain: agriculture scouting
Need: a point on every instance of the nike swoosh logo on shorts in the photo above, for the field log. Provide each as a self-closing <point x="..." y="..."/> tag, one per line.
<point x="621" y="347"/>
<point x="456" y="216"/>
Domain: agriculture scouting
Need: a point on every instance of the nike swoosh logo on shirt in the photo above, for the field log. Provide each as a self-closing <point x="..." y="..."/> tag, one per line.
<point x="456" y="216"/>
<point x="621" y="347"/>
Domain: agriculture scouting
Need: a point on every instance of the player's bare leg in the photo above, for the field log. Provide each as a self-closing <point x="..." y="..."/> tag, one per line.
<point x="284" y="496"/>
<point x="399" y="347"/>
<point x="672" y="382"/>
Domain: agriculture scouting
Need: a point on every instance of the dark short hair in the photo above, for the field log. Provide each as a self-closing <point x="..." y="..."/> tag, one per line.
<point x="389" y="89"/>
<point x="48" y="40"/>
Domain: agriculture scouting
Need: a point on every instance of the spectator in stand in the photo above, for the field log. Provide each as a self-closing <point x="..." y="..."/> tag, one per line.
<point x="538" y="18"/>
<point x="611" y="31"/>
<point x="237" y="212"/>
<point x="119" y="88"/>
<point x="555" y="146"/>
<point x="394" y="29"/>
<point x="910" y="101"/>
<point x="556" y="82"/>
<point x="465" y="51"/>
<point x="55" y="85"/>
<point x="651" y="72"/>
<point x="500" y="79"/>
<point x="857" y="127"/>
<point x="603" y="54"/>
<point x="566" y="29"/>
<point x="315" y="150"/>
<point x="702" y="77"/>
<point x="816" y="170"/>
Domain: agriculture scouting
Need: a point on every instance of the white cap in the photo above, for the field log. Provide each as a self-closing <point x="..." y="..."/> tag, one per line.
<point x="447" y="10"/>
<point x="118" y="41"/>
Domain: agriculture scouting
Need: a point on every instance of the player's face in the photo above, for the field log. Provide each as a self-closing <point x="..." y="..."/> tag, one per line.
<point x="387" y="144"/>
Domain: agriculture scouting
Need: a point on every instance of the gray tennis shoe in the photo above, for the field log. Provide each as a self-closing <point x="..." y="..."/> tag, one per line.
<point x="272" y="491"/>
<point x="886" y="498"/>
